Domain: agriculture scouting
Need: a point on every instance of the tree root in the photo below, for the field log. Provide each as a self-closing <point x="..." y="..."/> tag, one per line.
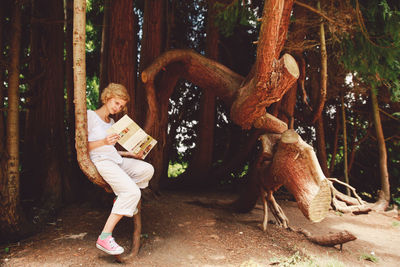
<point x="329" y="240"/>
<point x="347" y="204"/>
<point x="281" y="219"/>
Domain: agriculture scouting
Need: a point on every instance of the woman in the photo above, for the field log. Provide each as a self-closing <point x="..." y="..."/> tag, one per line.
<point x="126" y="176"/>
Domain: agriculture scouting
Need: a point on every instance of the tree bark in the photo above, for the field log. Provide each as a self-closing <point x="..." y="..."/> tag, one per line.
<point x="384" y="193"/>
<point x="69" y="80"/>
<point x="45" y="135"/>
<point x="335" y="141"/>
<point x="81" y="134"/>
<point x="344" y="126"/>
<point x="152" y="45"/>
<point x="304" y="178"/>
<point x="11" y="216"/>
<point x="122" y="54"/>
<point x="2" y="88"/>
<point x="201" y="161"/>
<point x="104" y="50"/>
<point x="324" y="76"/>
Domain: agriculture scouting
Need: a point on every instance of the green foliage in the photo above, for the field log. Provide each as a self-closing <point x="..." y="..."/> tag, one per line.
<point x="175" y="169"/>
<point x="373" y="52"/>
<point x="229" y="16"/>
<point x="369" y="257"/>
<point x="297" y="259"/>
<point x="92" y="92"/>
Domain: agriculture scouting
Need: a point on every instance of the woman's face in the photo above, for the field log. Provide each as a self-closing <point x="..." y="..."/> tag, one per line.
<point x="115" y="105"/>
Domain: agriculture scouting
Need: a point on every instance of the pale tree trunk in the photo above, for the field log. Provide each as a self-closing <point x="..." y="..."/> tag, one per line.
<point x="384" y="193"/>
<point x="11" y="218"/>
<point x="81" y="133"/>
<point x="122" y="48"/>
<point x="200" y="163"/>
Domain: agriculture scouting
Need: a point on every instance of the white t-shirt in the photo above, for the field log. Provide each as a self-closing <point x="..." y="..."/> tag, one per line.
<point x="97" y="130"/>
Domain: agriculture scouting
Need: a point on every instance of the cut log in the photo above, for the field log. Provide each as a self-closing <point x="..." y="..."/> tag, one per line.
<point x="329" y="240"/>
<point x="295" y="165"/>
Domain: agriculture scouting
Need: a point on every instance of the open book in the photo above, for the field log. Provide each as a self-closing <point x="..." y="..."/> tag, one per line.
<point x="131" y="137"/>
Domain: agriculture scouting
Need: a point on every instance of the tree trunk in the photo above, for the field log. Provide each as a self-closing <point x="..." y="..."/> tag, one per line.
<point x="11" y="216"/>
<point x="105" y="48"/>
<point x="45" y="136"/>
<point x="335" y="141"/>
<point x="81" y="133"/>
<point x="324" y="75"/>
<point x="69" y="78"/>
<point x="344" y="125"/>
<point x="201" y="161"/>
<point x="384" y="193"/>
<point x="318" y="123"/>
<point x="2" y="111"/>
<point x="152" y="45"/>
<point x="122" y="45"/>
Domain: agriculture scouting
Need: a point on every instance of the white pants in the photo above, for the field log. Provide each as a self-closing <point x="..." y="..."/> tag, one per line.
<point x="126" y="179"/>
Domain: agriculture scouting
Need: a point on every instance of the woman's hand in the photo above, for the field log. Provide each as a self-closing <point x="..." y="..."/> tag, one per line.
<point x="111" y="139"/>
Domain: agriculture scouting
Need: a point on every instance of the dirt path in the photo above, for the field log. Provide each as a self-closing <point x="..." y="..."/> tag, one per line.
<point x="179" y="231"/>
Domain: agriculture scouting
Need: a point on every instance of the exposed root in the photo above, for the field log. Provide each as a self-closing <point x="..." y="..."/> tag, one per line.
<point x="329" y="240"/>
<point x="281" y="219"/>
<point x="347" y="204"/>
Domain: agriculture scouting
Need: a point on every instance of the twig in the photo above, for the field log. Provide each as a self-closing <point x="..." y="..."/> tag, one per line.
<point x="318" y="12"/>
<point x="349" y="186"/>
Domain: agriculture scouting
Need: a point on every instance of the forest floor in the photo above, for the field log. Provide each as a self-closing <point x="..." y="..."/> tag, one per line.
<point x="181" y="229"/>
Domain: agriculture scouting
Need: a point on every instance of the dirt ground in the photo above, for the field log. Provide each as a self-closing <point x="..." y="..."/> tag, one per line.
<point x="179" y="229"/>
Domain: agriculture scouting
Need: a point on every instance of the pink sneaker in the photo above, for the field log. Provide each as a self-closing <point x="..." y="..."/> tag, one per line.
<point x="109" y="246"/>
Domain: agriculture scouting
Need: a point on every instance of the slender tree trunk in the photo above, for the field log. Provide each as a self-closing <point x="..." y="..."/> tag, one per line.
<point x="324" y="73"/>
<point x="10" y="213"/>
<point x="335" y="141"/>
<point x="344" y="122"/>
<point x="81" y="132"/>
<point x="319" y="125"/>
<point x="384" y="194"/>
<point x="45" y="136"/>
<point x="2" y="111"/>
<point x="122" y="54"/>
<point x="201" y="161"/>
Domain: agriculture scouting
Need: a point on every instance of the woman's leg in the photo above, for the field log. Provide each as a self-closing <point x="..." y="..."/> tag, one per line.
<point x="111" y="222"/>
<point x="140" y="171"/>
<point x="126" y="204"/>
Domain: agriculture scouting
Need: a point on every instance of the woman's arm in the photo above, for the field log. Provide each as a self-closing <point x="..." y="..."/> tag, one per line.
<point x="109" y="140"/>
<point x="131" y="155"/>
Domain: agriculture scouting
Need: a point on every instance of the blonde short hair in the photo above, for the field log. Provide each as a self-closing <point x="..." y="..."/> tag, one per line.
<point x="114" y="90"/>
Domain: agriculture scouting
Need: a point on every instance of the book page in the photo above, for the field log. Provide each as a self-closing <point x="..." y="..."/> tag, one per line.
<point x="133" y="138"/>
